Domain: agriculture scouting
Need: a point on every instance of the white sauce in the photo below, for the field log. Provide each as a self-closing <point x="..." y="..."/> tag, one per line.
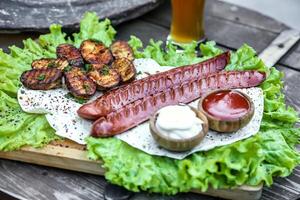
<point x="178" y="122"/>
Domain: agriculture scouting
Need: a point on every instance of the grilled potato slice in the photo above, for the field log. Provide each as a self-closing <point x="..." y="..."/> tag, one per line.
<point x="79" y="84"/>
<point x="94" y="52"/>
<point x="125" y="68"/>
<point x="42" y="63"/>
<point x="105" y="78"/>
<point x="60" y="63"/>
<point x="121" y="49"/>
<point x="45" y="63"/>
<point x="71" y="53"/>
<point x="42" y="79"/>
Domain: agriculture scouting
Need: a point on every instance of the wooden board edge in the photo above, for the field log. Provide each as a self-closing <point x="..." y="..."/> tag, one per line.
<point x="76" y="160"/>
<point x="56" y="156"/>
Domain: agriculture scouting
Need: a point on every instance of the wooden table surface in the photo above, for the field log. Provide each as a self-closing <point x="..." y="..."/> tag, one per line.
<point x="230" y="26"/>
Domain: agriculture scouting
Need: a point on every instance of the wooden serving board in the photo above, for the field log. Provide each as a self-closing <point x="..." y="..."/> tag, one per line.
<point x="69" y="155"/>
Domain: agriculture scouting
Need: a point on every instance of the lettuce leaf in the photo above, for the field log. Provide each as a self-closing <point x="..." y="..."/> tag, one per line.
<point x="16" y="127"/>
<point x="91" y="28"/>
<point x="172" y="55"/>
<point x="251" y="161"/>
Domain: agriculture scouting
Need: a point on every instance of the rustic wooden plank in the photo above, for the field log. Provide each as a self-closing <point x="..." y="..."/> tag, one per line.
<point x="243" y="16"/>
<point x="219" y="14"/>
<point x="37" y="16"/>
<point x="291" y="87"/>
<point x="292" y="59"/>
<point x="143" y="30"/>
<point x="56" y="156"/>
<point x="71" y="156"/>
<point x="222" y="10"/>
<point x="7" y="40"/>
<point x="279" y="46"/>
<point x="36" y="182"/>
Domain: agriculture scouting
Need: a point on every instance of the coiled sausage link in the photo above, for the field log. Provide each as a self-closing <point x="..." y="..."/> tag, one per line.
<point x="139" y="111"/>
<point x="152" y="84"/>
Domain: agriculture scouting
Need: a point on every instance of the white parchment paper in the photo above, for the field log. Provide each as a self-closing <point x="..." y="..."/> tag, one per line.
<point x="61" y="114"/>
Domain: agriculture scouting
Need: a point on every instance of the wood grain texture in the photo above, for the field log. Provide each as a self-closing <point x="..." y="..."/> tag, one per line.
<point x="71" y="156"/>
<point x="231" y="26"/>
<point x="29" y="15"/>
<point x="27" y="181"/>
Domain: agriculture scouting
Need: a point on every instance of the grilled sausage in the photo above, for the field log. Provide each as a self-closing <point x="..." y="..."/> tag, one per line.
<point x="79" y="84"/>
<point x="105" y="78"/>
<point x="71" y="53"/>
<point x="95" y="52"/>
<point x="152" y="84"/>
<point x="121" y="49"/>
<point x="45" y="63"/>
<point x="42" y="79"/>
<point x="125" y="68"/>
<point x="139" y="111"/>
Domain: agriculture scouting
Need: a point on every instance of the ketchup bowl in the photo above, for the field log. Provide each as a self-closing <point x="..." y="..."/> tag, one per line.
<point x="179" y="144"/>
<point x="227" y="110"/>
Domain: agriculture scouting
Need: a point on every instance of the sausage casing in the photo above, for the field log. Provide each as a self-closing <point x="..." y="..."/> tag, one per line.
<point x="139" y="111"/>
<point x="152" y="84"/>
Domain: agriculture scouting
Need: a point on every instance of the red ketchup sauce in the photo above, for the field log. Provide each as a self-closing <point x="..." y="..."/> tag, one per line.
<point x="226" y="105"/>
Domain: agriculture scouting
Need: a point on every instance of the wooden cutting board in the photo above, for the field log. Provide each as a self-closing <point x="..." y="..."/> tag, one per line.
<point x="69" y="155"/>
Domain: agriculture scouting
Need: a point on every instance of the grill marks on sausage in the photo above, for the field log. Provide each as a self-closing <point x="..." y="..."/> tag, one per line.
<point x="152" y="84"/>
<point x="139" y="111"/>
<point x="42" y="79"/>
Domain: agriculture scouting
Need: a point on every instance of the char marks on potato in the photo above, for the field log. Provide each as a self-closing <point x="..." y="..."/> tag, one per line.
<point x="71" y="53"/>
<point x="44" y="63"/>
<point x="95" y="52"/>
<point x="121" y="49"/>
<point x="125" y="68"/>
<point x="42" y="79"/>
<point x="79" y="84"/>
<point x="105" y="78"/>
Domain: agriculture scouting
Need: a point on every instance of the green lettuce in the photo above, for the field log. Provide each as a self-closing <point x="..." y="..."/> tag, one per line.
<point x="171" y="55"/>
<point x="252" y="161"/>
<point x="16" y="127"/>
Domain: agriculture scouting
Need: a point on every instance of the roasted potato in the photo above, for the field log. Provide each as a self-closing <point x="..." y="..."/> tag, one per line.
<point x="94" y="52"/>
<point x="121" y="49"/>
<point x="79" y="84"/>
<point x="125" y="68"/>
<point x="105" y="78"/>
<point x="45" y="63"/>
<point x="42" y="79"/>
<point x="71" y="53"/>
<point x="42" y="63"/>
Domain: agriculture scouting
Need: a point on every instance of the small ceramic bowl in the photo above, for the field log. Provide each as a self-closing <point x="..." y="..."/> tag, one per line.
<point x="230" y="125"/>
<point x="179" y="144"/>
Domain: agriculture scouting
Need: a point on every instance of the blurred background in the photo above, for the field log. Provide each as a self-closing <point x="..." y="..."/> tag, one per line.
<point x="287" y="11"/>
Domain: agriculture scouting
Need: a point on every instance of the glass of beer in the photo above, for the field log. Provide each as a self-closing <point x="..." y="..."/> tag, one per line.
<point x="187" y="21"/>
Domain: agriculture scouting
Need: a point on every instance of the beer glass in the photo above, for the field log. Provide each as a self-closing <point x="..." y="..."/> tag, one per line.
<point x="187" y="21"/>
